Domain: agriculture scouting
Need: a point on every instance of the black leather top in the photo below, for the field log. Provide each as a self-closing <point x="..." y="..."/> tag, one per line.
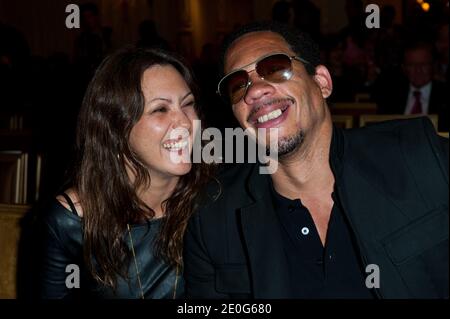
<point x="62" y="246"/>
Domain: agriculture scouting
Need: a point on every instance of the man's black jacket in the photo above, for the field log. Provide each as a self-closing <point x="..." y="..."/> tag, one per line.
<point x="393" y="186"/>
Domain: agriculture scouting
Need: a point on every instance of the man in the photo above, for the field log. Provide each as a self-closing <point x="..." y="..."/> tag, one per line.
<point x="340" y="203"/>
<point x="418" y="94"/>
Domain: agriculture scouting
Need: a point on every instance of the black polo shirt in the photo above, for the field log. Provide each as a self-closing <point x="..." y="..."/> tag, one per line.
<point x="333" y="271"/>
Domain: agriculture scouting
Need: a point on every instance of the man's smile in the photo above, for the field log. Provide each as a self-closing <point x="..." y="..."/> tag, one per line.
<point x="270" y="113"/>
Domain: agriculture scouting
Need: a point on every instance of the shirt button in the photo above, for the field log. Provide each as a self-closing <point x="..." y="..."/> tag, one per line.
<point x="291" y="208"/>
<point x="305" y="231"/>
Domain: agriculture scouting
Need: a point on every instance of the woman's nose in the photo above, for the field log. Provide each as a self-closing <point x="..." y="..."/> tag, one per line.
<point x="181" y="122"/>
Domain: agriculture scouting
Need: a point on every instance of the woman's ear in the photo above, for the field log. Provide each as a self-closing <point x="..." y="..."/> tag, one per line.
<point x="323" y="80"/>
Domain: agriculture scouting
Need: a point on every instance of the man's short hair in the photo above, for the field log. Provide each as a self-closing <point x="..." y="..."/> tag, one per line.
<point x="299" y="42"/>
<point x="89" y="7"/>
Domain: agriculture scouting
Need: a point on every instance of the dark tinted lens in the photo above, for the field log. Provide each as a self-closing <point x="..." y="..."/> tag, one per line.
<point x="234" y="86"/>
<point x="275" y="68"/>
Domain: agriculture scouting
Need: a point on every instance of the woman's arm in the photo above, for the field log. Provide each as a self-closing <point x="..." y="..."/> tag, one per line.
<point x="60" y="254"/>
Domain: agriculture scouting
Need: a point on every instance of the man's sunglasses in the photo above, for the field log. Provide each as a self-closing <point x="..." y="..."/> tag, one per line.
<point x="275" y="68"/>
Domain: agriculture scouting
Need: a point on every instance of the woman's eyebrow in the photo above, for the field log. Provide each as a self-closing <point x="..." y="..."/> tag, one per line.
<point x="160" y="99"/>
<point x="169" y="100"/>
<point x="187" y="94"/>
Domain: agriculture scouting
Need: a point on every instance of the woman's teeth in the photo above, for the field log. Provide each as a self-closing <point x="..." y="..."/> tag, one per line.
<point x="175" y="146"/>
<point x="270" y="116"/>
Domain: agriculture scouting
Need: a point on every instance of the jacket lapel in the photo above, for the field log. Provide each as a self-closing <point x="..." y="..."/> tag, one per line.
<point x="262" y="234"/>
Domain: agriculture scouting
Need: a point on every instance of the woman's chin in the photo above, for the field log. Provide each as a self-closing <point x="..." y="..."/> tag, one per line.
<point x="179" y="169"/>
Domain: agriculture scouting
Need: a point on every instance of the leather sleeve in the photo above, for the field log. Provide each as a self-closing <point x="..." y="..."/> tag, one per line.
<point x="59" y="248"/>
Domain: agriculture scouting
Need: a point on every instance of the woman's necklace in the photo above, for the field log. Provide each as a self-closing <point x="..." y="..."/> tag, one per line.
<point x="137" y="269"/>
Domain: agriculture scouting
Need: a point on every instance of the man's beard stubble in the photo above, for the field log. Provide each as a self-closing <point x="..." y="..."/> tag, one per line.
<point x="289" y="145"/>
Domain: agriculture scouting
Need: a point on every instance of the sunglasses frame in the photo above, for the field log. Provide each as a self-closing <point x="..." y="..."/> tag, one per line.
<point x="249" y="82"/>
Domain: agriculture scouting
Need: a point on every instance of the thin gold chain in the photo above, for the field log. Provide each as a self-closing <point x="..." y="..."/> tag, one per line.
<point x="176" y="284"/>
<point x="137" y="268"/>
<point x="135" y="262"/>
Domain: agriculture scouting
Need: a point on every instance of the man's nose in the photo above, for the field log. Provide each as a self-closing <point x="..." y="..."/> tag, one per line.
<point x="258" y="89"/>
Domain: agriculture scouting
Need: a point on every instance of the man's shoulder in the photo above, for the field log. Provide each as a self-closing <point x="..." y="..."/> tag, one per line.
<point x="393" y="131"/>
<point x="414" y="140"/>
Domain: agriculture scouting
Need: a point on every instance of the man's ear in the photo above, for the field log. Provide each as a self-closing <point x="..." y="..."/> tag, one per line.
<point x="323" y="80"/>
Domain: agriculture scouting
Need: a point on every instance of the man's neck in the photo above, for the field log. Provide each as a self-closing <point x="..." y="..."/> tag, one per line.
<point x="308" y="171"/>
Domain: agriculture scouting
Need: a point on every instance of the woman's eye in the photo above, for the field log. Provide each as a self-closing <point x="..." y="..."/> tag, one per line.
<point x="161" y="109"/>
<point x="191" y="103"/>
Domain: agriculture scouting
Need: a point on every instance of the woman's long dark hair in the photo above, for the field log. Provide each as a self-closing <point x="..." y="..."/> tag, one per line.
<point x="112" y="105"/>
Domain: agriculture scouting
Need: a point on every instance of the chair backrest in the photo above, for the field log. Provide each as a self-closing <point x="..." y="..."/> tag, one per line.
<point x="14" y="120"/>
<point x="20" y="177"/>
<point x="373" y="118"/>
<point x="362" y="97"/>
<point x="16" y="140"/>
<point x="10" y="232"/>
<point x="343" y="121"/>
<point x="353" y="108"/>
<point x="13" y="177"/>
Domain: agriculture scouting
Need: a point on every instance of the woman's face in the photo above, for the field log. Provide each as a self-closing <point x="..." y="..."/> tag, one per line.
<point x="163" y="136"/>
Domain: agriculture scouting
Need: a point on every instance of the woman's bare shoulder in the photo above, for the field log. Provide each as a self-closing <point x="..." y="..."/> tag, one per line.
<point x="73" y="195"/>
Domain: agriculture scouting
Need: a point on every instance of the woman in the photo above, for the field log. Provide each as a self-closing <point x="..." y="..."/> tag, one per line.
<point x="122" y="222"/>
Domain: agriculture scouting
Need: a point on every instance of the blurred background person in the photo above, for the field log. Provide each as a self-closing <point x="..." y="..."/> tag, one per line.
<point x="417" y="93"/>
<point x="149" y="36"/>
<point x="282" y="12"/>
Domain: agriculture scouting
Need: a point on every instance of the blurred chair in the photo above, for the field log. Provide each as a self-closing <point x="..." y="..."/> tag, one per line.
<point x="373" y="118"/>
<point x="37" y="182"/>
<point x="20" y="177"/>
<point x="443" y="134"/>
<point x="10" y="232"/>
<point x="353" y="108"/>
<point x="343" y="121"/>
<point x="13" y="177"/>
<point x="362" y="97"/>
<point x="16" y="139"/>
<point x="15" y="121"/>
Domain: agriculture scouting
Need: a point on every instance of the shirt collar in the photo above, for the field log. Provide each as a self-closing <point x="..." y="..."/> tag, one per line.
<point x="424" y="90"/>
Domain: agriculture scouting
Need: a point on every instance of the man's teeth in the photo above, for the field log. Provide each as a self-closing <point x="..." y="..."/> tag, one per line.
<point x="270" y="116"/>
<point x="175" y="146"/>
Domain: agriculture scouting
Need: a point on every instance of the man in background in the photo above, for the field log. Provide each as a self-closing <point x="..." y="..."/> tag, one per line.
<point x="418" y="93"/>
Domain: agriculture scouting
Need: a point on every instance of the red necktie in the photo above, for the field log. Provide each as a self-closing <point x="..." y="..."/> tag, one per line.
<point x="417" y="107"/>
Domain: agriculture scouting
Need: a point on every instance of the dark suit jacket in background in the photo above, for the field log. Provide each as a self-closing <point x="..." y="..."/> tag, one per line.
<point x="392" y="98"/>
<point x="393" y="187"/>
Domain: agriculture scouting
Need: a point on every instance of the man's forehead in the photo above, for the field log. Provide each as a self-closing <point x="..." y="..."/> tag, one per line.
<point x="251" y="46"/>
<point x="418" y="54"/>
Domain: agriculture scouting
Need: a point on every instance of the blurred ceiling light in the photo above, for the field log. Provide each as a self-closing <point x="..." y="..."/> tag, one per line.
<point x="419" y="1"/>
<point x="425" y="6"/>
